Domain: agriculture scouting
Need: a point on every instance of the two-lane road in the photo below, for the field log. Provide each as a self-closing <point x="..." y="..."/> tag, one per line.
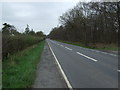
<point x="86" y="68"/>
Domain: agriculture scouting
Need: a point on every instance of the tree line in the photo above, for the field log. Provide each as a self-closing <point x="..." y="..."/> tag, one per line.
<point x="11" y="30"/>
<point x="14" y="41"/>
<point x="89" y="23"/>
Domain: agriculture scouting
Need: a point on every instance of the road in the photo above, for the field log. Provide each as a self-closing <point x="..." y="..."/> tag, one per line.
<point x="86" y="68"/>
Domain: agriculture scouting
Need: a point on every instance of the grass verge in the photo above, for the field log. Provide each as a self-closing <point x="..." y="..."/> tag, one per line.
<point x="19" y="69"/>
<point x="98" y="46"/>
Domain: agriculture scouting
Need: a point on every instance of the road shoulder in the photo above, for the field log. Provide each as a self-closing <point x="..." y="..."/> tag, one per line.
<point x="48" y="74"/>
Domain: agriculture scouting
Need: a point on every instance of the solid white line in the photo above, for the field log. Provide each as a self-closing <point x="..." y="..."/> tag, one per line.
<point x="86" y="56"/>
<point x="68" y="48"/>
<point x="104" y="52"/>
<point x="65" y="77"/>
<point x="108" y="53"/>
<point x="99" y="51"/>
<point x="112" y="54"/>
<point x="118" y="70"/>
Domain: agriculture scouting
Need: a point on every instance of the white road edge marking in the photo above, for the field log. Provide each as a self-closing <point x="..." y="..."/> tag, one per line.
<point x="100" y="51"/>
<point x="86" y="56"/>
<point x="107" y="53"/>
<point x="65" y="77"/>
<point x="118" y="70"/>
<point x="68" y="48"/>
<point x="104" y="52"/>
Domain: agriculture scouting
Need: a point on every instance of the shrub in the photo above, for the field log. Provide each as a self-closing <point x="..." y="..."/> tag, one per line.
<point x="13" y="44"/>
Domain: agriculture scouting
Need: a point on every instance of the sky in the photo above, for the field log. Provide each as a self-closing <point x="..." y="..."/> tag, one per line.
<point x="40" y="16"/>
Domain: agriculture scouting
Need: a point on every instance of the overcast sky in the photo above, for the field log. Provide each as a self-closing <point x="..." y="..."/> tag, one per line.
<point x="41" y="16"/>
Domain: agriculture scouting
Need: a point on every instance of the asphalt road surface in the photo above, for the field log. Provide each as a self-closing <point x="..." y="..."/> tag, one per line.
<point x="86" y="68"/>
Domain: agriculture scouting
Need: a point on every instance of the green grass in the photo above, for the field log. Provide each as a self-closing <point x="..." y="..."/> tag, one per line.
<point x="19" y="69"/>
<point x="98" y="46"/>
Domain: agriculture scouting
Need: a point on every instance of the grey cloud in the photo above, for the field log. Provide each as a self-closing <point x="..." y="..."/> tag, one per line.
<point x="40" y="16"/>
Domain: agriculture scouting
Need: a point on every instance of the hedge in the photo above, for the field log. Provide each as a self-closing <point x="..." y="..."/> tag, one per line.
<point x="13" y="44"/>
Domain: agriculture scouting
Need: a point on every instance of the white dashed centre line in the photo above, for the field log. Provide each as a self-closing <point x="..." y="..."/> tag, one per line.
<point x="87" y="56"/>
<point x="68" y="48"/>
<point x="61" y="45"/>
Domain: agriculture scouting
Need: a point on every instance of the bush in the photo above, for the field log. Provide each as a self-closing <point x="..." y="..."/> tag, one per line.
<point x="13" y="44"/>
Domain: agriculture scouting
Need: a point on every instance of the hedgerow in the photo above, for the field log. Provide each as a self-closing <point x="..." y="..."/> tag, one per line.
<point x="13" y="44"/>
